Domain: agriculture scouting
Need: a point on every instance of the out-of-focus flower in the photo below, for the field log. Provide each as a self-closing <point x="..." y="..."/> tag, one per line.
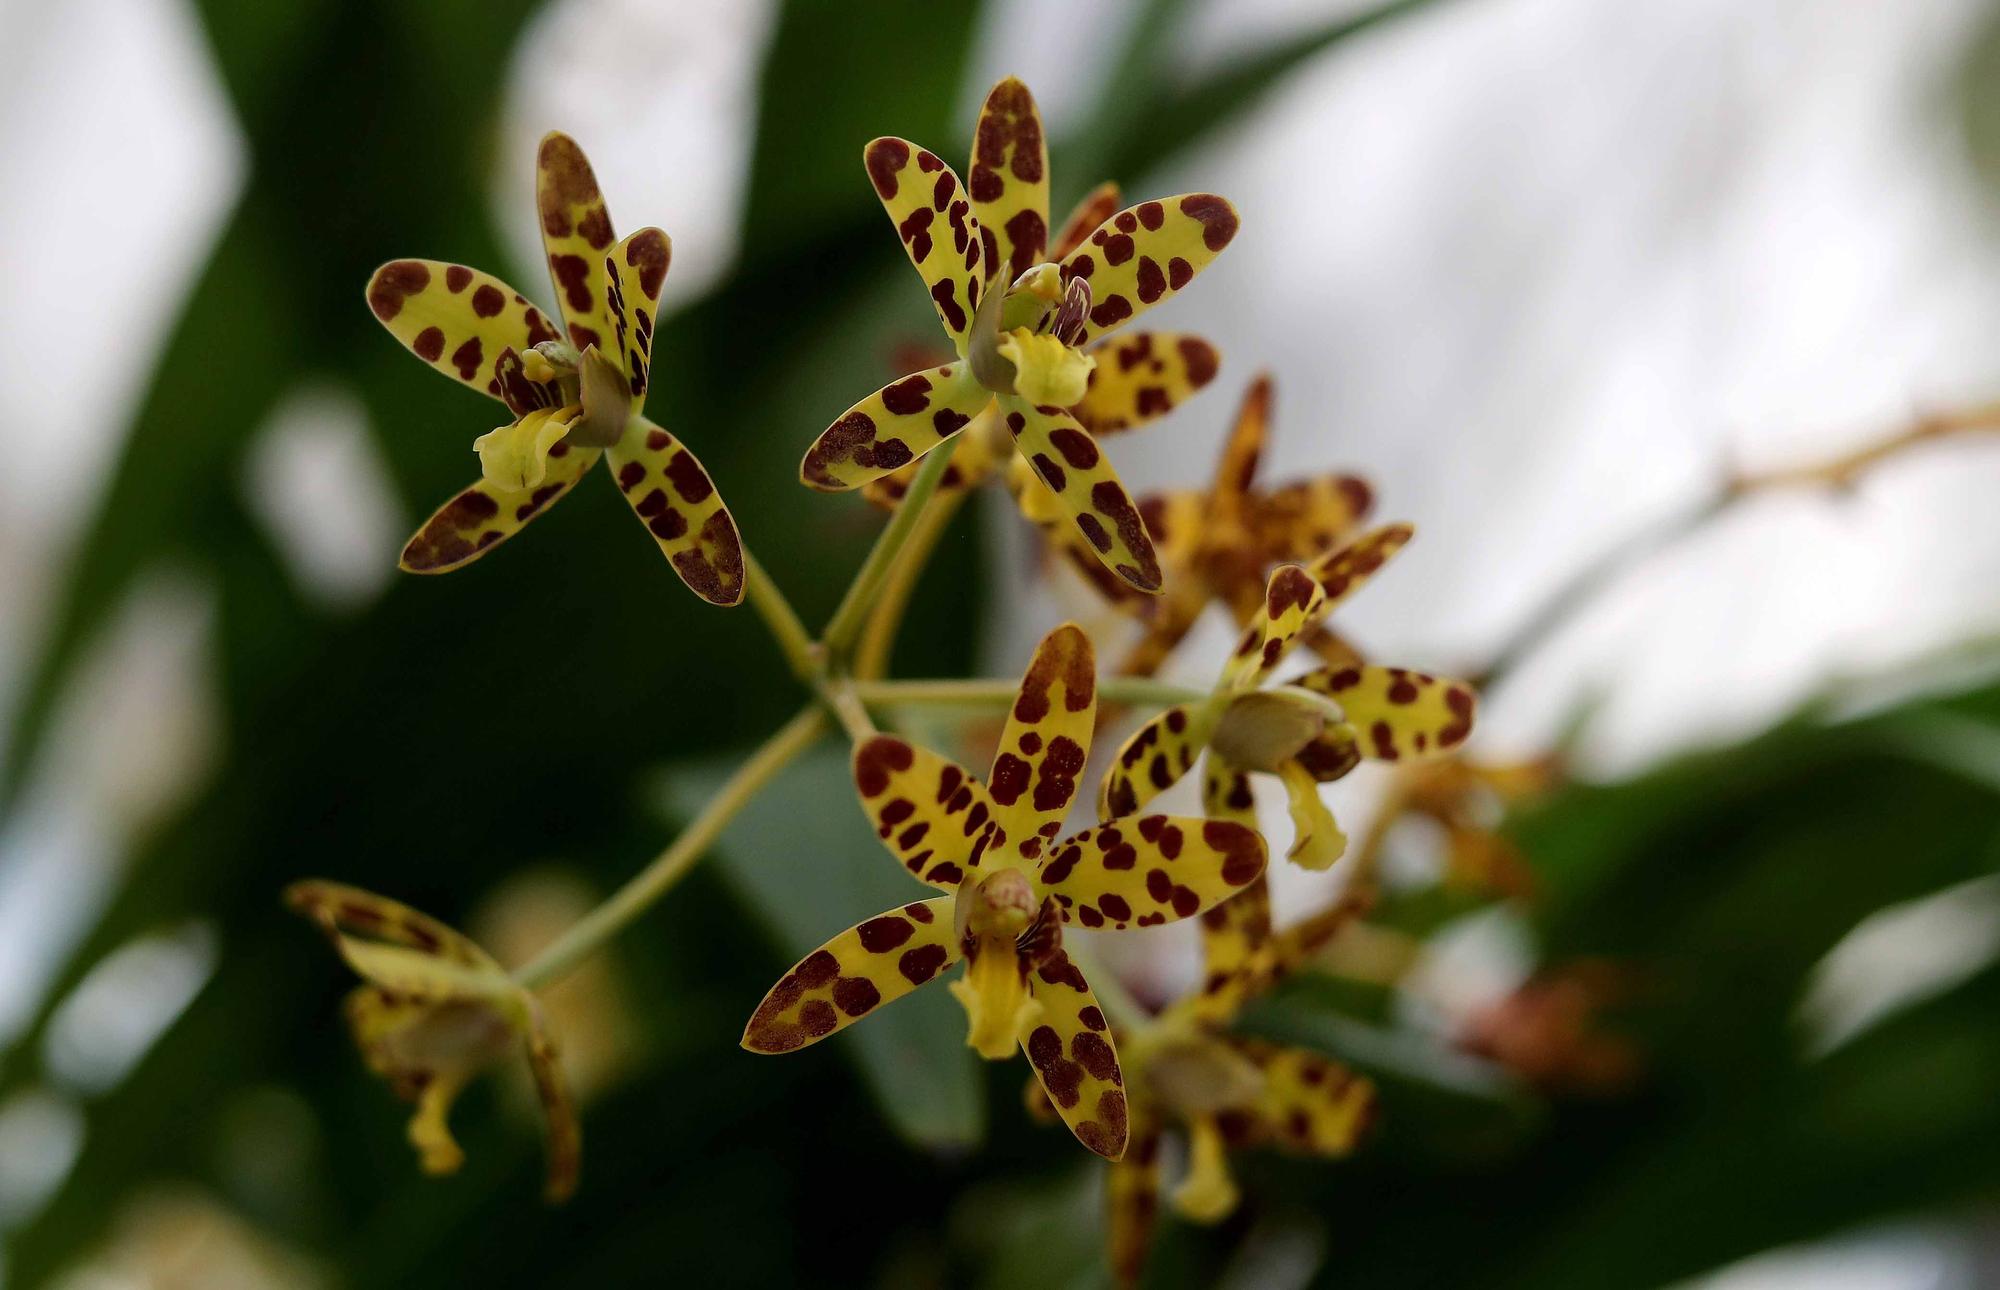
<point x="1184" y="1072"/>
<point x="437" y="1011"/>
<point x="573" y="401"/>
<point x="1012" y="885"/>
<point x="1549" y="1032"/>
<point x="1467" y="800"/>
<point x="1216" y="545"/>
<point x="1309" y="731"/>
<point x="1023" y="328"/>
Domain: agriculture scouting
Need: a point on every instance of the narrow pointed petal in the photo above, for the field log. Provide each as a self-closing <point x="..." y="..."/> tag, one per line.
<point x="1132" y="1203"/>
<point x="893" y="427"/>
<point x="1068" y="460"/>
<point x="1311" y="1105"/>
<point x="1397" y="714"/>
<point x="1045" y="743"/>
<point x="1009" y="182"/>
<point x="1293" y="602"/>
<point x="1146" y="254"/>
<point x="672" y="495"/>
<point x="576" y="234"/>
<point x="352" y="915"/>
<point x="482" y="517"/>
<point x="930" y="812"/>
<point x="1347" y="570"/>
<point x="458" y="320"/>
<point x="1071" y="1049"/>
<point x="1236" y="468"/>
<point x="1306" y="517"/>
<point x="934" y="219"/>
<point x="565" y="1135"/>
<point x="1150" y="869"/>
<point x="1100" y="204"/>
<point x="973" y="462"/>
<point x="1153" y="760"/>
<point x="635" y="272"/>
<point x="1143" y="376"/>
<point x="1234" y="937"/>
<point x="1316" y="839"/>
<point x="865" y="967"/>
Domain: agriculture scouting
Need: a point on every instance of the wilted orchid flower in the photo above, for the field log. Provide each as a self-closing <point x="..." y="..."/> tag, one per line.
<point x="437" y="1011"/>
<point x="1135" y="380"/>
<point x="1012" y="885"/>
<point x="1021" y="325"/>
<point x="1313" y="729"/>
<point x="1184" y="1072"/>
<point x="1217" y="545"/>
<point x="572" y="399"/>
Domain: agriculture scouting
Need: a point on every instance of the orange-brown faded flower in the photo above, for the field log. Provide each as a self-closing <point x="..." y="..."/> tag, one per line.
<point x="437" y="1011"/>
<point x="573" y="398"/>
<point x="1217" y="545"/>
<point x="1012" y="884"/>
<point x="1308" y="731"/>
<point x="1035" y="374"/>
<point x="1549" y="1032"/>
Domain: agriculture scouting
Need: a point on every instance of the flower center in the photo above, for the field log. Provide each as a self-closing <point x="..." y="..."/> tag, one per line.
<point x="1004" y="932"/>
<point x="593" y="407"/>
<point x="1024" y="339"/>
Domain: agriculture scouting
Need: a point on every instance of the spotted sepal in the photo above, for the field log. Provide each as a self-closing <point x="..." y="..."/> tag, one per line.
<point x="482" y="516"/>
<point x="1236" y="466"/>
<point x="972" y="464"/>
<point x="565" y="1134"/>
<point x="1234" y="939"/>
<point x="1069" y="461"/>
<point x="934" y="817"/>
<point x="1098" y="205"/>
<point x="1044" y="743"/>
<point x="934" y="219"/>
<point x="672" y="495"/>
<point x="1145" y="254"/>
<point x="1141" y="377"/>
<point x="1348" y="569"/>
<point x="1398" y="714"/>
<point x="634" y="273"/>
<point x="1009" y="182"/>
<point x="858" y="971"/>
<point x="1150" y="869"/>
<point x="398" y="948"/>
<point x="1310" y="1104"/>
<point x="1132" y="1202"/>
<point x="576" y="235"/>
<point x="893" y="427"/>
<point x="1293" y="601"/>
<point x="1153" y="759"/>
<point x="458" y="320"/>
<point x="1306" y="517"/>
<point x="1070" y="1046"/>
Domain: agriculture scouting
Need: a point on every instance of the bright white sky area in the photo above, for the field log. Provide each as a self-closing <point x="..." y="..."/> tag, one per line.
<point x="1540" y="268"/>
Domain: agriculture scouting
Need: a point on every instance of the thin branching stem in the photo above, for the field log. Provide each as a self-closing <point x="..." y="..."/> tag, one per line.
<point x="590" y="932"/>
<point x="878" y="639"/>
<point x="853" y="610"/>
<point x="783" y="621"/>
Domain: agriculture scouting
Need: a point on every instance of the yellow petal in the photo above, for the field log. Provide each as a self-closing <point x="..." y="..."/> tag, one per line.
<point x="868" y="965"/>
<point x="1075" y="1058"/>
<point x="893" y="427"/>
<point x="481" y="516"/>
<point x="458" y="320"/>
<point x="1293" y="601"/>
<point x="515" y="458"/>
<point x="1208" y="1194"/>
<point x="1009" y="181"/>
<point x="671" y="492"/>
<point x="1153" y="759"/>
<point x="576" y="234"/>
<point x="931" y="813"/>
<point x="994" y="992"/>
<point x="1132" y="1189"/>
<point x="1144" y="870"/>
<point x="1047" y="372"/>
<point x="935" y="222"/>
<point x="1398" y="714"/>
<point x="1142" y="377"/>
<point x="1045" y="743"/>
<point x="1069" y="461"/>
<point x="1146" y="254"/>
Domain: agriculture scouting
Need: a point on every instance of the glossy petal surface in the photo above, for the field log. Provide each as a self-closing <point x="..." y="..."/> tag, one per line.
<point x="893" y="427"/>
<point x="1070" y="1046"/>
<point x="671" y="493"/>
<point x="458" y="320"/>
<point x="1009" y="181"/>
<point x="1146" y="254"/>
<point x="1141" y="377"/>
<point x="1150" y="869"/>
<point x="482" y="516"/>
<point x="870" y="964"/>
<point x="930" y="812"/>
<point x="1069" y="461"/>
<point x="1398" y="714"/>
<point x="934" y="219"/>
<point x="576" y="235"/>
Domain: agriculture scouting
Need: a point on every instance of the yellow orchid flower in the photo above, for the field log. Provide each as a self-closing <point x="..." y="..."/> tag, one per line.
<point x="437" y="1011"/>
<point x="574" y="395"/>
<point x="1218" y="544"/>
<point x="1012" y="884"/>
<point x="1034" y="379"/>
<point x="1185" y="1073"/>
<point x="1314" y="729"/>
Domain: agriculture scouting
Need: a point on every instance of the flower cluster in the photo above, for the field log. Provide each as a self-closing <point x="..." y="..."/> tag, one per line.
<point x="1041" y="371"/>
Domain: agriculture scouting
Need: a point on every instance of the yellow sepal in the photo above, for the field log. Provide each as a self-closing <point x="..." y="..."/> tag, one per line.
<point x="515" y="458"/>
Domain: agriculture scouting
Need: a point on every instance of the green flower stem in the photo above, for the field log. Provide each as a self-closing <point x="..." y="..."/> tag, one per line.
<point x="847" y="620"/>
<point x="591" y="932"/>
<point x="1138" y="691"/>
<point x="871" y="657"/>
<point x="801" y="654"/>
